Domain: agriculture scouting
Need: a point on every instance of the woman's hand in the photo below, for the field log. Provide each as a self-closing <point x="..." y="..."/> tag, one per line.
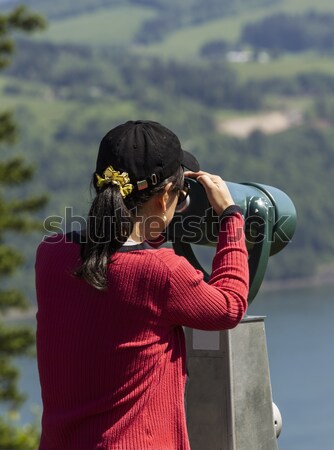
<point x="216" y="190"/>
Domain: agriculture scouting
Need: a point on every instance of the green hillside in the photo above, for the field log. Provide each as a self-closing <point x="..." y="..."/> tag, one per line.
<point x="187" y="11"/>
<point x="91" y="70"/>
<point x="287" y="66"/>
<point x="121" y="24"/>
<point x="187" y="42"/>
<point x="115" y="26"/>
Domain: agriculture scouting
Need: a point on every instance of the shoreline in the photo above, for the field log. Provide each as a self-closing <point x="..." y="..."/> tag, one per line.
<point x="323" y="279"/>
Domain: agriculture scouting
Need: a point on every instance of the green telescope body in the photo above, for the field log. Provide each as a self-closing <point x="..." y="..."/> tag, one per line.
<point x="270" y="222"/>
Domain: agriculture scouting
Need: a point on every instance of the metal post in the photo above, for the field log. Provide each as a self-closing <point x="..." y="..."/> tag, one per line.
<point x="229" y="399"/>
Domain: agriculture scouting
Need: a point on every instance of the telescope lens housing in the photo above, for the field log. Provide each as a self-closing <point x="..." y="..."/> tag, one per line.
<point x="270" y="222"/>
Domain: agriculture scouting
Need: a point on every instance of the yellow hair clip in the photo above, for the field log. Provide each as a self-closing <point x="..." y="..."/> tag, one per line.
<point x="112" y="176"/>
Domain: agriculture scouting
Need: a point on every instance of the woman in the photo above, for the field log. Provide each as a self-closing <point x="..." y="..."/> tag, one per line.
<point x="110" y="343"/>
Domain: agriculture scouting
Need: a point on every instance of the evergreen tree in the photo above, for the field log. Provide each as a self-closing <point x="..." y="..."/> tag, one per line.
<point x="15" y="216"/>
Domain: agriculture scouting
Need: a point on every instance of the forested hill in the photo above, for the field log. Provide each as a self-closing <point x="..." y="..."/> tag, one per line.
<point x="184" y="11"/>
<point x="167" y="15"/>
<point x="92" y="70"/>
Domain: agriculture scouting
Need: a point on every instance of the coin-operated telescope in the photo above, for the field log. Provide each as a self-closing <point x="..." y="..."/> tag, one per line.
<point x="270" y="222"/>
<point x="229" y="399"/>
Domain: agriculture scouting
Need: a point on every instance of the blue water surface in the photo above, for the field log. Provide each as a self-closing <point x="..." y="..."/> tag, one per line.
<point x="300" y="337"/>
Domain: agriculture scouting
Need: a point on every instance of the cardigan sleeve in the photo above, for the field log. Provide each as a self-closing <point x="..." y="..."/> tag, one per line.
<point x="222" y="302"/>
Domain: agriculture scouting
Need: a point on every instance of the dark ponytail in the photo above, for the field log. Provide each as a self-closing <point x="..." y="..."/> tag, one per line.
<point x="110" y="223"/>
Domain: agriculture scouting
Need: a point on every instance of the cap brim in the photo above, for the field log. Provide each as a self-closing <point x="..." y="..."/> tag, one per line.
<point x="190" y="162"/>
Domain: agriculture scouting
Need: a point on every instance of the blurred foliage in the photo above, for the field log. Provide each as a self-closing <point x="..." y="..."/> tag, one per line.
<point x="17" y="438"/>
<point x="96" y="89"/>
<point x="87" y="90"/>
<point x="215" y="49"/>
<point x="18" y="19"/>
<point x="66" y="68"/>
<point x="175" y="14"/>
<point x="15" y="216"/>
<point x="170" y="15"/>
<point x="307" y="84"/>
<point x="63" y="8"/>
<point x="295" y="162"/>
<point x="293" y="33"/>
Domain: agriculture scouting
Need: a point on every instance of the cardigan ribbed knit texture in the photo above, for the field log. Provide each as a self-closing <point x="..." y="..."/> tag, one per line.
<point x="112" y="364"/>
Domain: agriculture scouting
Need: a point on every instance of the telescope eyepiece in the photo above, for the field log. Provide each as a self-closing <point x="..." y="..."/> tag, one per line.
<point x="184" y="198"/>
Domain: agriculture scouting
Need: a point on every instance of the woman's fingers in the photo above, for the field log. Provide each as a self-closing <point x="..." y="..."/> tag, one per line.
<point x="216" y="190"/>
<point x="190" y="174"/>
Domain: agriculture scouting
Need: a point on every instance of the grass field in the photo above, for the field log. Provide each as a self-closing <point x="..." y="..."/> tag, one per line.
<point x="186" y="43"/>
<point x="119" y="25"/>
<point x="286" y="66"/>
<point x="49" y="111"/>
<point x="110" y="26"/>
<point x="300" y="5"/>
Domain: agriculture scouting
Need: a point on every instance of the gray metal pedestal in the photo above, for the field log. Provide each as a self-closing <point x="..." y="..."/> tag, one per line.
<point x="229" y="399"/>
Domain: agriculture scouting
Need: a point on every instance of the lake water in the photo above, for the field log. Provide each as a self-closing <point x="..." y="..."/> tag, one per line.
<point x="300" y="337"/>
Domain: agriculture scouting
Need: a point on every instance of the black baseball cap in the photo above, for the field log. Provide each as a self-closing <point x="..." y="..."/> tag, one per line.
<point x="146" y="150"/>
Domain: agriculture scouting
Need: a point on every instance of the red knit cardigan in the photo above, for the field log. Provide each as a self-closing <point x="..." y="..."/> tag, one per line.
<point x="112" y="364"/>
